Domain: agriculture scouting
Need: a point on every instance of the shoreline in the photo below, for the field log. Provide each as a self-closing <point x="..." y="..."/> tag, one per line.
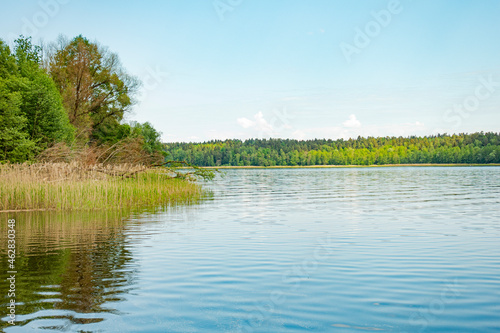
<point x="71" y="187"/>
<point x="352" y="166"/>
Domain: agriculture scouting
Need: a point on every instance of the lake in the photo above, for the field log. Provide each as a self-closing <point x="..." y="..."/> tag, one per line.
<point x="402" y="249"/>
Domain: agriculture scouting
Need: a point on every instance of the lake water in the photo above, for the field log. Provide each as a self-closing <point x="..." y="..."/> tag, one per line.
<point x="274" y="250"/>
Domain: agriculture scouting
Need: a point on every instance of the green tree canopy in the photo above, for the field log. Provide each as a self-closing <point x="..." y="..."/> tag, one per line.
<point x="458" y="148"/>
<point x="47" y="120"/>
<point x="15" y="145"/>
<point x="82" y="87"/>
<point x="96" y="90"/>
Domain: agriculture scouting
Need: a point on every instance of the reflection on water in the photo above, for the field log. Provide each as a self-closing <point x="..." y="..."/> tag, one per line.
<point x="281" y="250"/>
<point x="75" y="262"/>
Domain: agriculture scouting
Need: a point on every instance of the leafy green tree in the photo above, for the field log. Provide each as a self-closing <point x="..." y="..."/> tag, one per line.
<point x="83" y="86"/>
<point x="47" y="121"/>
<point x="15" y="145"/>
<point x="151" y="137"/>
<point x="112" y="132"/>
<point x="95" y="88"/>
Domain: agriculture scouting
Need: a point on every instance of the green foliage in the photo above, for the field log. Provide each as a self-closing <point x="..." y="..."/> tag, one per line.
<point x="42" y="105"/>
<point x="84" y="88"/>
<point x="28" y="56"/>
<point x="111" y="133"/>
<point x="15" y="145"/>
<point x="184" y="170"/>
<point x="7" y="61"/>
<point x="96" y="90"/>
<point x="151" y="137"/>
<point x="32" y="116"/>
<point x="462" y="148"/>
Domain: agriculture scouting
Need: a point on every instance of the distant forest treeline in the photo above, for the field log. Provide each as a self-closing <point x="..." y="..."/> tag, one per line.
<point x="462" y="148"/>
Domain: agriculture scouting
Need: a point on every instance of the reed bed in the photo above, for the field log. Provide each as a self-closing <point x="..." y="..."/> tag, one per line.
<point x="73" y="186"/>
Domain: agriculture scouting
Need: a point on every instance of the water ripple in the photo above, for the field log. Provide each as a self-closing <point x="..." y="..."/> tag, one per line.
<point x="282" y="250"/>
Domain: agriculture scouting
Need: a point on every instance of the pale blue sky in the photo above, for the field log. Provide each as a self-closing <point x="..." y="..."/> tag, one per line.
<point x="296" y="68"/>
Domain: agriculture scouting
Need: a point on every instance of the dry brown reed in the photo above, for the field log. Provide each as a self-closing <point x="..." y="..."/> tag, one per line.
<point x="89" y="186"/>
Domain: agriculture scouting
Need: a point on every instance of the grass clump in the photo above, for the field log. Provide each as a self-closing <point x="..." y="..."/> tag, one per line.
<point x="74" y="186"/>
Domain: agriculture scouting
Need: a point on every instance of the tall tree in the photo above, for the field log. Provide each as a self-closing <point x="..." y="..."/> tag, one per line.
<point x="96" y="90"/>
<point x="15" y="145"/>
<point x="47" y="121"/>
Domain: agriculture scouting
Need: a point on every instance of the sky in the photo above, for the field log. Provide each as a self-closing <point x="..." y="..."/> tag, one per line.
<point x="302" y="69"/>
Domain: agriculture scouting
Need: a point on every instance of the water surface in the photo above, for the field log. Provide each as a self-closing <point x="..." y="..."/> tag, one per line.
<point x="274" y="250"/>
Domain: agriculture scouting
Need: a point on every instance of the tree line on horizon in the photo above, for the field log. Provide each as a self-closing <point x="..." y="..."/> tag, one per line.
<point x="69" y="98"/>
<point x="68" y="101"/>
<point x="475" y="148"/>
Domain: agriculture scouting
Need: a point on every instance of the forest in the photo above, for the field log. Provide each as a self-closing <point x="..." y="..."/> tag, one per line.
<point x="475" y="148"/>
<point x="67" y="101"/>
<point x="64" y="144"/>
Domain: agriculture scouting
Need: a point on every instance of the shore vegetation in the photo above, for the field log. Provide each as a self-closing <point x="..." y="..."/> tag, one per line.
<point x="64" y="141"/>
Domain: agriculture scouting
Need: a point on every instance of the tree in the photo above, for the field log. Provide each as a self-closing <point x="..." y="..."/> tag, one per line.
<point x="47" y="121"/>
<point x="15" y="145"/>
<point x="152" y="143"/>
<point x="96" y="90"/>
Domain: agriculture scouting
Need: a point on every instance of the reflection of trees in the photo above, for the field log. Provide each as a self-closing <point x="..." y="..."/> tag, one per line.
<point x="77" y="262"/>
<point x="96" y="273"/>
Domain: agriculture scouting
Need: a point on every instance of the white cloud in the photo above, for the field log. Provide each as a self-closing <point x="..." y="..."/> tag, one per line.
<point x="258" y="126"/>
<point x="259" y="123"/>
<point x="352" y="122"/>
<point x="245" y="122"/>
